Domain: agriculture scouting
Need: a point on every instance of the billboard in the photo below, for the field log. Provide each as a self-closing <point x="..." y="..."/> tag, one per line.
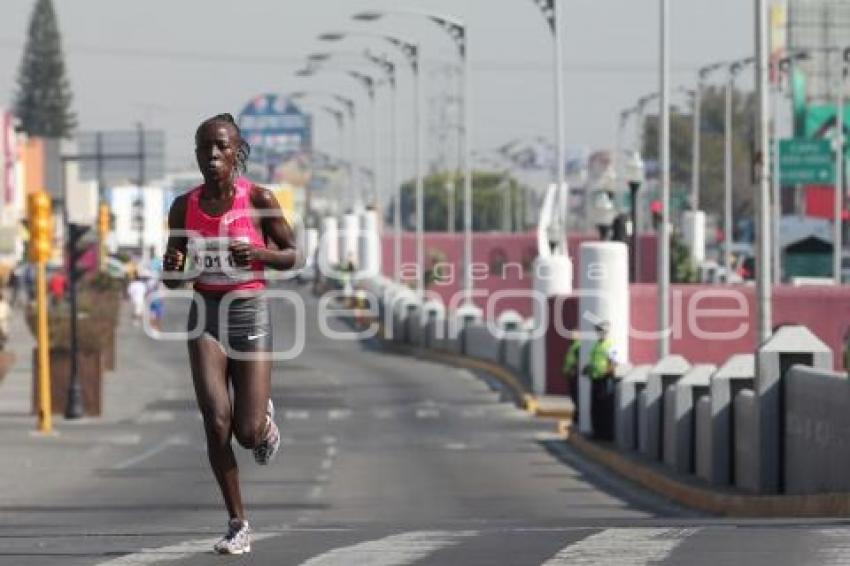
<point x="278" y="132"/>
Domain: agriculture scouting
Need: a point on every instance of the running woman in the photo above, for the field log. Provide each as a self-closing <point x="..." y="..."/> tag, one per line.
<point x="222" y="229"/>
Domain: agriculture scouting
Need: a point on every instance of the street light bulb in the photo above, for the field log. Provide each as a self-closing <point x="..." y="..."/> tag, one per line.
<point x="368" y="16"/>
<point x="334" y="36"/>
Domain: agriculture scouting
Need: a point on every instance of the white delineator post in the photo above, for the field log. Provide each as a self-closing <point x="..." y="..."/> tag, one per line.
<point x="603" y="296"/>
<point x="369" y="244"/>
<point x="693" y="231"/>
<point x="329" y="245"/>
<point x="348" y="247"/>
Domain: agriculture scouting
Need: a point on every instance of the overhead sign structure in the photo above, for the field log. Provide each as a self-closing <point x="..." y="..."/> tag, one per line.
<point x="806" y="162"/>
<point x="121" y="156"/>
<point x="276" y="129"/>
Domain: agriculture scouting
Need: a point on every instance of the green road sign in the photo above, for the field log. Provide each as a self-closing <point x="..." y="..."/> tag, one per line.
<point x="806" y="162"/>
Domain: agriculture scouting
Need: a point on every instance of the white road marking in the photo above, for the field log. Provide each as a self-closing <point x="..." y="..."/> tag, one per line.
<point x="329" y="439"/>
<point x="316" y="492"/>
<point x="473" y="413"/>
<point x="174" y="552"/>
<point x="155" y="417"/>
<point x="331" y="451"/>
<point x="622" y="547"/>
<point x="427" y="413"/>
<point x="395" y="550"/>
<point x="323" y="478"/>
<point x="339" y="414"/>
<point x="296" y="415"/>
<point x="834" y="549"/>
<point x="150" y="452"/>
<point x="456" y="446"/>
<point x="327" y="463"/>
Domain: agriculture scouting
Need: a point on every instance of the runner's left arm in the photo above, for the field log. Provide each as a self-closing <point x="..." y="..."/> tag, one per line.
<point x="276" y="229"/>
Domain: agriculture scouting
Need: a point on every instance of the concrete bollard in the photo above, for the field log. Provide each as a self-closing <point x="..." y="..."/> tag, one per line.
<point x="463" y="317"/>
<point x="369" y="244"/>
<point x="625" y="406"/>
<point x="329" y="246"/>
<point x="817" y="453"/>
<point x="432" y="311"/>
<point x="679" y="418"/>
<point x="790" y="345"/>
<point x="509" y="325"/>
<point x="553" y="276"/>
<point x="745" y="409"/>
<point x="604" y="296"/>
<point x="716" y="457"/>
<point x="348" y="240"/>
<point x="651" y="426"/>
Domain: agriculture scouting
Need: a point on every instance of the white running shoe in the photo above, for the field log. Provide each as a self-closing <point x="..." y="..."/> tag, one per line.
<point x="265" y="451"/>
<point x="237" y="540"/>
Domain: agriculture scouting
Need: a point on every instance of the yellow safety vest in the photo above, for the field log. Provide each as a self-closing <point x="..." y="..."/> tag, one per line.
<point x="599" y="357"/>
<point x="571" y="358"/>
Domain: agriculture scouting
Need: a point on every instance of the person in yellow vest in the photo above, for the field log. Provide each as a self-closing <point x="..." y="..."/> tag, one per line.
<point x="600" y="369"/>
<point x="570" y="371"/>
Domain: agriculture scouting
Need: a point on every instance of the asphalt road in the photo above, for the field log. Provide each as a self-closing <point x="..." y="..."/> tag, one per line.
<point x="386" y="460"/>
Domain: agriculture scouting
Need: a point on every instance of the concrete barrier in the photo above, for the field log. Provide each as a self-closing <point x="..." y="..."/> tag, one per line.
<point x="679" y="418"/>
<point x="745" y="409"/>
<point x="651" y="416"/>
<point x="789" y="346"/>
<point x="817" y="449"/>
<point x="625" y="406"/>
<point x="716" y="458"/>
<point x="480" y="343"/>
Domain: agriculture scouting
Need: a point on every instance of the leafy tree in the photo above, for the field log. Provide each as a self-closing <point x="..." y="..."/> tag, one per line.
<point x="681" y="265"/>
<point x="491" y="193"/>
<point x="43" y="99"/>
<point x="712" y="165"/>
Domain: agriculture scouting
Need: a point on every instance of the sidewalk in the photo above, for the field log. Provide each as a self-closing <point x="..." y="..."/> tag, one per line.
<point x="52" y="462"/>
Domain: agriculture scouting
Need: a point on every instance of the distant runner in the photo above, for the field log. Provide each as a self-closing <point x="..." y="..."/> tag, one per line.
<point x="226" y="249"/>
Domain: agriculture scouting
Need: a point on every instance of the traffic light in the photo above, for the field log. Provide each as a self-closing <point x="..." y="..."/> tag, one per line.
<point x="75" y="250"/>
<point x="40" y="221"/>
<point x="103" y="220"/>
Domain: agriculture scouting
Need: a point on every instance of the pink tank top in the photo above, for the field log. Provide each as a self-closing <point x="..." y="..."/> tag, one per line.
<point x="208" y="255"/>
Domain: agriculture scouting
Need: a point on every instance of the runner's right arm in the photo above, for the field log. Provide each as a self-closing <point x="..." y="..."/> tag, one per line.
<point x="174" y="261"/>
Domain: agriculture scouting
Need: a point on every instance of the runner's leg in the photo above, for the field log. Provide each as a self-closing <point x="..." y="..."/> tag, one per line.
<point x="251" y="390"/>
<point x="209" y="374"/>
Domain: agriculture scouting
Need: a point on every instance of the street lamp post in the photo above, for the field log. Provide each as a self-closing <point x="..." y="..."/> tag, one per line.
<point x="457" y="30"/>
<point x="696" y="157"/>
<point x="763" y="273"/>
<point x="551" y="11"/>
<point x="734" y="68"/>
<point x="664" y="154"/>
<point x="411" y="52"/>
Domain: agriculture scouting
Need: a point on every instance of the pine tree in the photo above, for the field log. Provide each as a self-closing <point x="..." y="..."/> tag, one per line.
<point x="43" y="100"/>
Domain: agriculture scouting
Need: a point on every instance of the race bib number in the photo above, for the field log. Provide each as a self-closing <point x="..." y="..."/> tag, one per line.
<point x="213" y="262"/>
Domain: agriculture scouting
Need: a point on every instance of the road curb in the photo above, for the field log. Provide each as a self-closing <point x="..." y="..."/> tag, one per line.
<point x="536" y="406"/>
<point x="719" y="502"/>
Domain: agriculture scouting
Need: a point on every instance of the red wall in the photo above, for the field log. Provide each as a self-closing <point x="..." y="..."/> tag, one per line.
<point x="824" y="310"/>
<point x="516" y="247"/>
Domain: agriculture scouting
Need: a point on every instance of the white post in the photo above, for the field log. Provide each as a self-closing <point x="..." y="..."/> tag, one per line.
<point x="419" y="142"/>
<point x="837" y="243"/>
<point x="695" y="158"/>
<point x="394" y="180"/>
<point x="560" y="133"/>
<point x="763" y="267"/>
<point x="727" y="168"/>
<point x="467" y="178"/>
<point x="664" y="153"/>
<point x="777" y="186"/>
<point x="376" y="158"/>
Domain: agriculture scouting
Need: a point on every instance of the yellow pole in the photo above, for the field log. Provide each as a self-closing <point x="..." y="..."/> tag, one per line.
<point x="45" y="415"/>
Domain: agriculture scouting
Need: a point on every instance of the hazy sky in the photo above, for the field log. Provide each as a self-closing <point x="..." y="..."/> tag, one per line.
<point x="171" y="63"/>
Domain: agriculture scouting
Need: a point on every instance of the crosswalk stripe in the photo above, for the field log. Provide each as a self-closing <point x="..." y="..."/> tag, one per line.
<point x="395" y="550"/>
<point x="621" y="547"/>
<point x="835" y="549"/>
<point x="174" y="552"/>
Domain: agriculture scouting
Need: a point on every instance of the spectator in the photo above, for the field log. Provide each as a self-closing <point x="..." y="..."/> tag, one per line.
<point x="600" y="369"/>
<point x="56" y="285"/>
<point x="136" y="291"/>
